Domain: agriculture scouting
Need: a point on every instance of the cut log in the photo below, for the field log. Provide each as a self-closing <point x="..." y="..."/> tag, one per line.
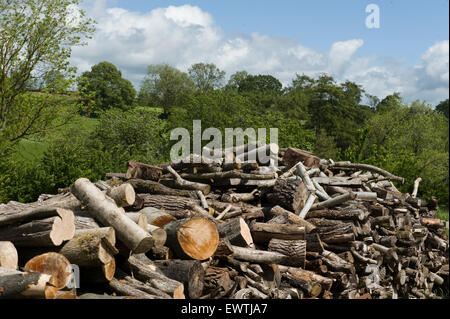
<point x="123" y="195"/>
<point x="149" y="274"/>
<point x="352" y="214"/>
<point x="18" y="284"/>
<point x="143" y="171"/>
<point x="325" y="282"/>
<point x="311" y="288"/>
<point x="53" y="264"/>
<point x="293" y="155"/>
<point x="159" y="235"/>
<point x="292" y="218"/>
<point x="157" y="217"/>
<point x="155" y="188"/>
<point x="184" y="184"/>
<point x="289" y="194"/>
<point x="192" y="238"/>
<point x="98" y="275"/>
<point x="237" y="232"/>
<point x="343" y="165"/>
<point x="8" y="255"/>
<point x="334" y="201"/>
<point x="188" y="272"/>
<point x="295" y="249"/>
<point x="124" y="288"/>
<point x="107" y="212"/>
<point x="47" y="232"/>
<point x="260" y="256"/>
<point x="262" y="232"/>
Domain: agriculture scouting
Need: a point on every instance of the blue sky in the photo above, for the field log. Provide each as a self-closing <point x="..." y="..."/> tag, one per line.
<point x="407" y="54"/>
<point x="408" y="27"/>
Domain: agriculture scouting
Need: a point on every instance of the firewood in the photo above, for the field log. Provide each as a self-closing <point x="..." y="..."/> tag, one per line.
<point x="195" y="238"/>
<point x="260" y="256"/>
<point x="143" y="171"/>
<point x="237" y="232"/>
<point x="292" y="218"/>
<point x="53" y="264"/>
<point x="107" y="212"/>
<point x="311" y="288"/>
<point x="334" y="201"/>
<point x="289" y="194"/>
<point x="8" y="255"/>
<point x="263" y="232"/>
<point x="28" y="284"/>
<point x="155" y="188"/>
<point x="292" y="156"/>
<point x="296" y="249"/>
<point x="123" y="195"/>
<point x="47" y="232"/>
<point x="150" y="275"/>
<point x="184" y="184"/>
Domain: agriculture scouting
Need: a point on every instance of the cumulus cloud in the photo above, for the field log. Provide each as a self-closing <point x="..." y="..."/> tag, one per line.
<point x="184" y="35"/>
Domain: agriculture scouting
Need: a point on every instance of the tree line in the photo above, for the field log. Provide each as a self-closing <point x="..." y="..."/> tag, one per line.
<point x="334" y="120"/>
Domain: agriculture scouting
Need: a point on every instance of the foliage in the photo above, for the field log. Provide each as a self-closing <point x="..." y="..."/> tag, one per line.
<point x="443" y="108"/>
<point x="206" y="77"/>
<point x="165" y="87"/>
<point x="35" y="43"/>
<point x="104" y="88"/>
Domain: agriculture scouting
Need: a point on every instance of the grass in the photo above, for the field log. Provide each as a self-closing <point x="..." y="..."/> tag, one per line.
<point x="31" y="150"/>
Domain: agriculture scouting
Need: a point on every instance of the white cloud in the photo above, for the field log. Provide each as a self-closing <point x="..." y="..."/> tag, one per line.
<point x="184" y="35"/>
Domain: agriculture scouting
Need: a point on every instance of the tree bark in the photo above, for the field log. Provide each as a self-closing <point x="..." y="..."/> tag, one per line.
<point x="196" y="238"/>
<point x="184" y="184"/>
<point x="289" y="194"/>
<point x="292" y="218"/>
<point x="262" y="232"/>
<point x="47" y="232"/>
<point x="155" y="188"/>
<point x="260" y="256"/>
<point x="188" y="272"/>
<point x="295" y="249"/>
<point x="293" y="155"/>
<point x="157" y="217"/>
<point x="107" y="212"/>
<point x="143" y="171"/>
<point x="237" y="232"/>
<point x="18" y="284"/>
<point x="334" y="201"/>
<point x="150" y="275"/>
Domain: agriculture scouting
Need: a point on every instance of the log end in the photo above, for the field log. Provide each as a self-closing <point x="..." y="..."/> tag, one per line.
<point x="199" y="238"/>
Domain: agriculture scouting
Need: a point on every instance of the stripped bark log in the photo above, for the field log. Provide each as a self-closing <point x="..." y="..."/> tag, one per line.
<point x="107" y="212"/>
<point x="18" y="284"/>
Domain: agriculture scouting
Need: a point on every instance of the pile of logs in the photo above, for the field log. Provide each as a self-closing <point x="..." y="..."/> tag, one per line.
<point x="227" y="228"/>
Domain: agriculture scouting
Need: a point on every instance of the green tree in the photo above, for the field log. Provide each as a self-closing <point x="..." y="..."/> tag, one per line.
<point x="236" y="79"/>
<point x="206" y="77"/>
<point x="443" y="108"/>
<point x="36" y="37"/>
<point x="165" y="87"/>
<point x="262" y="83"/>
<point x="105" y="87"/>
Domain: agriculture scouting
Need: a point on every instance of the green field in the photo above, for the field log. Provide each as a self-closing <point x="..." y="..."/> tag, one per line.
<point x="31" y="149"/>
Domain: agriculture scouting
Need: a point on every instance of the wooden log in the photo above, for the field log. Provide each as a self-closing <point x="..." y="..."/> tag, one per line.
<point x="237" y="232"/>
<point x="107" y="212"/>
<point x="289" y="194"/>
<point x="263" y="232"/>
<point x="124" y="288"/>
<point x="53" y="264"/>
<point x="18" y="284"/>
<point x="65" y="201"/>
<point x="311" y="288"/>
<point x="348" y="165"/>
<point x="123" y="195"/>
<point x="338" y="181"/>
<point x="293" y="155"/>
<point x="260" y="256"/>
<point x="311" y="199"/>
<point x="347" y="214"/>
<point x="173" y="205"/>
<point x="184" y="184"/>
<point x="292" y="218"/>
<point x="160" y="253"/>
<point x="195" y="238"/>
<point x="103" y="297"/>
<point x="157" y="217"/>
<point x="416" y="187"/>
<point x="14" y="215"/>
<point x="325" y="282"/>
<point x="188" y="272"/>
<point x="295" y="249"/>
<point x="143" y="171"/>
<point x="263" y="155"/>
<point x="47" y="232"/>
<point x="149" y="274"/>
<point x="8" y="255"/>
<point x="228" y="175"/>
<point x="99" y="274"/>
<point x="159" y="235"/>
<point x="334" y="201"/>
<point x="89" y="248"/>
<point x="313" y="243"/>
<point x="155" y="188"/>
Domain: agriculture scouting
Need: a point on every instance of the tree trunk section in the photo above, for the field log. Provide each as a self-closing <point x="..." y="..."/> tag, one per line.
<point x="237" y="232"/>
<point x="8" y="255"/>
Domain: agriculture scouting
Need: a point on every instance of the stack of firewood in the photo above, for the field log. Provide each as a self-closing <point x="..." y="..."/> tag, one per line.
<point x="227" y="227"/>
